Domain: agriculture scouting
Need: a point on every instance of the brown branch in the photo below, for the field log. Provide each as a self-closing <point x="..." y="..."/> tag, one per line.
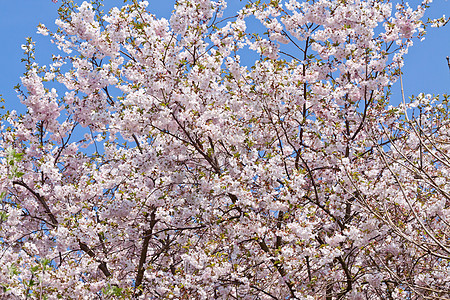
<point x="263" y="291"/>
<point x="349" y="278"/>
<point x="279" y="240"/>
<point x="308" y="266"/>
<point x="102" y="266"/>
<point x="137" y="143"/>
<point x="144" y="250"/>
<point x="41" y="200"/>
<point x="279" y="268"/>
<point x="198" y="146"/>
<point x="110" y="99"/>
<point x="83" y="246"/>
<point x="329" y="292"/>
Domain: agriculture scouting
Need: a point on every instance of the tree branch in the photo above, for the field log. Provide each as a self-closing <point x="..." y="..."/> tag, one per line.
<point x="144" y="250"/>
<point x="41" y="200"/>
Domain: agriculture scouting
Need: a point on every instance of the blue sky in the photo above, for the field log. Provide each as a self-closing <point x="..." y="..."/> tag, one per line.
<point x="426" y="68"/>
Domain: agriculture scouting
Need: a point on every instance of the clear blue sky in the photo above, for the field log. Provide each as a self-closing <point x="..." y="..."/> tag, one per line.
<point x="426" y="68"/>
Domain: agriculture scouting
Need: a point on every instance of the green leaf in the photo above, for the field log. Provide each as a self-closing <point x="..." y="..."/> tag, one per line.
<point x="3" y="216"/>
<point x="112" y="291"/>
<point x="31" y="282"/>
<point x="12" y="270"/>
<point x="46" y="261"/>
<point x="19" y="174"/>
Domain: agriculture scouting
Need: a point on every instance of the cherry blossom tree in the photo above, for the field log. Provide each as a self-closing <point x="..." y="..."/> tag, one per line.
<point x="154" y="162"/>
